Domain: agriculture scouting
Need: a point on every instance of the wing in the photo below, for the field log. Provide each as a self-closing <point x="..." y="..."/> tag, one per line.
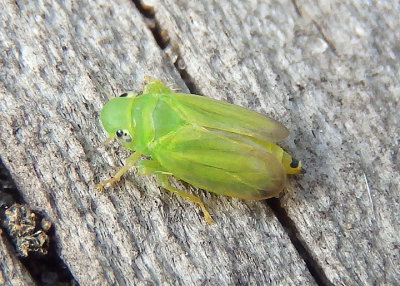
<point x="211" y="113"/>
<point x="216" y="163"/>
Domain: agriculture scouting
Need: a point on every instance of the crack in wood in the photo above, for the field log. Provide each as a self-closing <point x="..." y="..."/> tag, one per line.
<point x="160" y="35"/>
<point x="289" y="226"/>
<point x="163" y="41"/>
<point x="44" y="269"/>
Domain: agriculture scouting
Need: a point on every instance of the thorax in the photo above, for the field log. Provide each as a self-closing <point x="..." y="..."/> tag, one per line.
<point x="153" y="118"/>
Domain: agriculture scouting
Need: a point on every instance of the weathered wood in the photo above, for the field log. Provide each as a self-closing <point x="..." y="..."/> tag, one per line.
<point x="12" y="272"/>
<point x="330" y="71"/>
<point x="58" y="61"/>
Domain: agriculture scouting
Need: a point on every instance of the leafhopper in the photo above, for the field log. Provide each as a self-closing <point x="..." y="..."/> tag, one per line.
<point x="213" y="145"/>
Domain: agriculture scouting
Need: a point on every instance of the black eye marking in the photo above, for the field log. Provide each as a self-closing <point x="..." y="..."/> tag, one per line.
<point x="119" y="133"/>
<point x="295" y="163"/>
<point x="124" y="95"/>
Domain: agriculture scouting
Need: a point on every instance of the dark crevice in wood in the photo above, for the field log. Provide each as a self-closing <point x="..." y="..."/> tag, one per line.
<point x="159" y="34"/>
<point x="148" y="13"/>
<point x="186" y="77"/>
<point x="289" y="226"/>
<point x="42" y="268"/>
<point x="162" y="39"/>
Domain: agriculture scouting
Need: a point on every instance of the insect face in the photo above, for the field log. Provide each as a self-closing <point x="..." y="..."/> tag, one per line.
<point x="116" y="116"/>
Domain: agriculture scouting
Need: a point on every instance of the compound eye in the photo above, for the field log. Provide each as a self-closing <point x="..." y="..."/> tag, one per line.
<point x="119" y="133"/>
<point x="128" y="94"/>
<point x="123" y="135"/>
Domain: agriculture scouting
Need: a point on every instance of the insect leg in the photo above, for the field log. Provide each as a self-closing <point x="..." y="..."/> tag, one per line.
<point x="132" y="159"/>
<point x="165" y="184"/>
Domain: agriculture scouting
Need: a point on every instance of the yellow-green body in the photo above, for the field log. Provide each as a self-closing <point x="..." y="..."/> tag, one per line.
<point x="211" y="144"/>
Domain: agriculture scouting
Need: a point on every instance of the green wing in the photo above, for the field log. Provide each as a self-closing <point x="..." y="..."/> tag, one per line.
<point x="211" y="113"/>
<point x="219" y="164"/>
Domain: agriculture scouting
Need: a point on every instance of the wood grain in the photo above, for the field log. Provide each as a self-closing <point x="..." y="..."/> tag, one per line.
<point x="59" y="60"/>
<point x="330" y="71"/>
<point x="12" y="271"/>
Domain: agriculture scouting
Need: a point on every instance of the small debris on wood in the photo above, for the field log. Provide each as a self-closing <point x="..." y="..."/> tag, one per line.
<point x="27" y="231"/>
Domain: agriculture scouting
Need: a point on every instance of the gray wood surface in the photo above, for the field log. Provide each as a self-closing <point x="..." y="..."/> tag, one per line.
<point x="12" y="272"/>
<point x="328" y="71"/>
<point x="59" y="61"/>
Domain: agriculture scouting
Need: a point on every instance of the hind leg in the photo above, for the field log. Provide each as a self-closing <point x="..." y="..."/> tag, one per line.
<point x="153" y="167"/>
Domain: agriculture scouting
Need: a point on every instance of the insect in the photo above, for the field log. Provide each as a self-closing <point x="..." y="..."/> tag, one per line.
<point x="213" y="145"/>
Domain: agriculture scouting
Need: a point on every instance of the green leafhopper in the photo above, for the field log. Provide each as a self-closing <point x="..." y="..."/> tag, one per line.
<point x="211" y="144"/>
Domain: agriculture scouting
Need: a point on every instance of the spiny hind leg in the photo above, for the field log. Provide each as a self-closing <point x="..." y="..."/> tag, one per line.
<point x="132" y="159"/>
<point x="147" y="167"/>
<point x="165" y="184"/>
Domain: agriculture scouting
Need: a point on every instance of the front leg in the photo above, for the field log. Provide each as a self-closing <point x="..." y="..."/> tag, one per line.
<point x="132" y="159"/>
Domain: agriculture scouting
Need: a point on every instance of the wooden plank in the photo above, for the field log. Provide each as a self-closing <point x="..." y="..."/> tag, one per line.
<point x="12" y="272"/>
<point x="330" y="71"/>
<point x="58" y="62"/>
